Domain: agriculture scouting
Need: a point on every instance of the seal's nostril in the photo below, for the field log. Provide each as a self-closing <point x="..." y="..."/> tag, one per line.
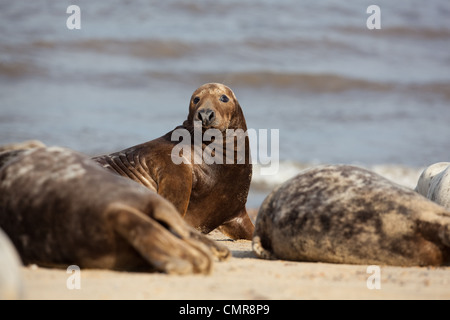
<point x="198" y="115"/>
<point x="206" y="116"/>
<point x="201" y="115"/>
<point x="211" y="116"/>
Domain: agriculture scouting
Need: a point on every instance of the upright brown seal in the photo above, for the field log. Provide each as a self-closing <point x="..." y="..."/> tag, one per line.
<point x="208" y="196"/>
<point x="346" y="214"/>
<point x="60" y="208"/>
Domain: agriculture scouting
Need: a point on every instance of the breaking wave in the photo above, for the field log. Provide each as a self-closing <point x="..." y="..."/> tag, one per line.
<point x="402" y="175"/>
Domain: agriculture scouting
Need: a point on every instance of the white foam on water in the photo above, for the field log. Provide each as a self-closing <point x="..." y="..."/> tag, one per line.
<point x="262" y="185"/>
<point x="402" y="175"/>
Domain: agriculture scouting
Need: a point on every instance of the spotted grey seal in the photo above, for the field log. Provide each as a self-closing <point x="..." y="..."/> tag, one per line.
<point x="346" y="214"/>
<point x="28" y="144"/>
<point x="208" y="196"/>
<point x="60" y="208"/>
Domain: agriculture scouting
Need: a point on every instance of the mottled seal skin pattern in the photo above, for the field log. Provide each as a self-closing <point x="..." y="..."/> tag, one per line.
<point x="11" y="286"/>
<point x="346" y="214"/>
<point x="208" y="196"/>
<point x="28" y="144"/>
<point x="10" y="151"/>
<point x="60" y="208"/>
<point x="434" y="183"/>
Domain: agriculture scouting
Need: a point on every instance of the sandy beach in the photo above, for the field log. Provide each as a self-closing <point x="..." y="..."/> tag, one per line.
<point x="244" y="276"/>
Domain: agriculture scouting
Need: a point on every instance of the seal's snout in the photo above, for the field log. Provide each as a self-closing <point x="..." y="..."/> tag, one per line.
<point x="206" y="116"/>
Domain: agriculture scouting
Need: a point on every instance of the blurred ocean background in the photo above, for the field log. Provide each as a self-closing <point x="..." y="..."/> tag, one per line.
<point x="338" y="92"/>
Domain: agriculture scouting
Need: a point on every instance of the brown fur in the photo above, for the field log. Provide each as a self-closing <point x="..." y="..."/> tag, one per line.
<point x="60" y="208"/>
<point x="207" y="196"/>
<point x="346" y="214"/>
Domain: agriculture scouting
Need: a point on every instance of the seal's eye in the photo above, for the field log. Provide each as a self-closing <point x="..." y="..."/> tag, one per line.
<point x="196" y="100"/>
<point x="224" y="98"/>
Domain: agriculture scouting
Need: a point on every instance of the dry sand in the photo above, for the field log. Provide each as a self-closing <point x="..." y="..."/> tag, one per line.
<point x="245" y="277"/>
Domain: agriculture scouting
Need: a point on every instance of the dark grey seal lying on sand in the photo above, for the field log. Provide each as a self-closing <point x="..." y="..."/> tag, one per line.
<point x="345" y="214"/>
<point x="60" y="208"/>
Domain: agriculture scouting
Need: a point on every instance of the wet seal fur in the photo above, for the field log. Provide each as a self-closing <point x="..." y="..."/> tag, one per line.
<point x="208" y="196"/>
<point x="60" y="208"/>
<point x="434" y="183"/>
<point x="346" y="214"/>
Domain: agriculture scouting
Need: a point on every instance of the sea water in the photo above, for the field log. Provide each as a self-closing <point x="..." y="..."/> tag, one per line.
<point x="337" y="91"/>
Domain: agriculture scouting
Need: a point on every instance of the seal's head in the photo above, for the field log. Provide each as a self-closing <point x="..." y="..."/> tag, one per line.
<point x="214" y="105"/>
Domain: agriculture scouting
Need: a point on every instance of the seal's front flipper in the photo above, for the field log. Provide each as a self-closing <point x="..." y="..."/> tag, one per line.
<point x="177" y="225"/>
<point x="435" y="229"/>
<point x="240" y="227"/>
<point x="161" y="248"/>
